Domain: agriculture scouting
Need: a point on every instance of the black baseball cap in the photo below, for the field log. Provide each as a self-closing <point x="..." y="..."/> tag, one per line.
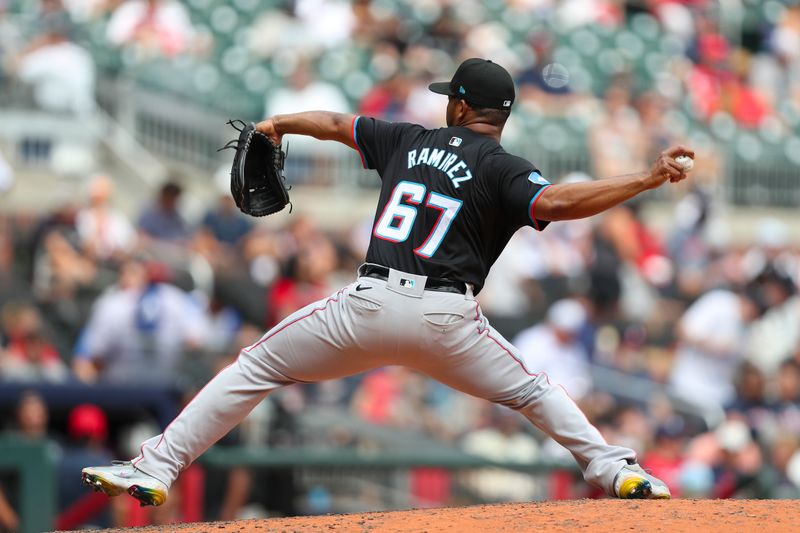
<point x="481" y="83"/>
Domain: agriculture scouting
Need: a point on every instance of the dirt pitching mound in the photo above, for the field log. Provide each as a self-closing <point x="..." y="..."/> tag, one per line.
<point x="774" y="516"/>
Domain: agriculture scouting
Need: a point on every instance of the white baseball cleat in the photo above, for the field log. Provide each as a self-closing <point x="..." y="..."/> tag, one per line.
<point x="121" y="477"/>
<point x="633" y="483"/>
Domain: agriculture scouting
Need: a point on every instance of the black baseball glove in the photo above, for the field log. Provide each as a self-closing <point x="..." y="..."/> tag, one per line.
<point x="257" y="182"/>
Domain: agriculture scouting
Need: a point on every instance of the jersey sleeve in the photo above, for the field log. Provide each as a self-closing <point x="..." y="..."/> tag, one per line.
<point x="377" y="140"/>
<point x="521" y="185"/>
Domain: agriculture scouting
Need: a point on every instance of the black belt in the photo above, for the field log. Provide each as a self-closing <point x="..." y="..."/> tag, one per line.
<point x="432" y="284"/>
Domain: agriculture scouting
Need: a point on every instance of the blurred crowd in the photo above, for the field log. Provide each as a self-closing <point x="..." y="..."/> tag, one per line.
<point x="719" y="67"/>
<point x="684" y="345"/>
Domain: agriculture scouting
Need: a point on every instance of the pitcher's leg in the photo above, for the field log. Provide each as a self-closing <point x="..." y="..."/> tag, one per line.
<point x="315" y="343"/>
<point x="479" y="361"/>
<point x="212" y="413"/>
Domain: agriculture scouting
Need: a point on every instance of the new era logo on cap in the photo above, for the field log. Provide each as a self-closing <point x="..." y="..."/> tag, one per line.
<point x="455" y="141"/>
<point x="506" y="103"/>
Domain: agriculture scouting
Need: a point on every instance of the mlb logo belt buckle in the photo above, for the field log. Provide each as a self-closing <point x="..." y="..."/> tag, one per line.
<point x="405" y="283"/>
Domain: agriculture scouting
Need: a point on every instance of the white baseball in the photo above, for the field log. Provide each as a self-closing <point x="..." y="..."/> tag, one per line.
<point x="685" y="161"/>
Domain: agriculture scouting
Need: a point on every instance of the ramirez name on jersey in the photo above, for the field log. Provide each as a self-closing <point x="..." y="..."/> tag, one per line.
<point x="441" y="160"/>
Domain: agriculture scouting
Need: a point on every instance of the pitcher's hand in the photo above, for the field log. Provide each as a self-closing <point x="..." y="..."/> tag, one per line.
<point x="666" y="168"/>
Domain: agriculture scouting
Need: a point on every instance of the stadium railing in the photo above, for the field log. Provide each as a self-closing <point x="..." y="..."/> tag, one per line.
<point x="33" y="464"/>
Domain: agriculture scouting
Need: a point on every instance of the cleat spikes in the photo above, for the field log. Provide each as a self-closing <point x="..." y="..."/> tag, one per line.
<point x="117" y="479"/>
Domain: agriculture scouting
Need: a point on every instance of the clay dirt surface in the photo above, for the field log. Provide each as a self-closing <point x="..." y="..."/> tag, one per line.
<point x="773" y="516"/>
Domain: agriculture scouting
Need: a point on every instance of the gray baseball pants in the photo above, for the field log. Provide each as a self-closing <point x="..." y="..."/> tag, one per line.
<point x="369" y="324"/>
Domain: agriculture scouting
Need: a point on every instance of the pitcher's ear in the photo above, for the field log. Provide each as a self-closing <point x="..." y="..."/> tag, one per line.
<point x="462" y="107"/>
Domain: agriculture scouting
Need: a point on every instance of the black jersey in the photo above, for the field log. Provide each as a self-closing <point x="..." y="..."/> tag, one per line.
<point x="450" y="199"/>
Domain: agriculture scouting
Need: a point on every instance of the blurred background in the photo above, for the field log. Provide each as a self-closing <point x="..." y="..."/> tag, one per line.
<point x="128" y="278"/>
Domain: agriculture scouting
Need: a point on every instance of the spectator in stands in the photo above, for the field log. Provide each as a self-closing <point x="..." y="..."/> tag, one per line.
<point x="745" y="104"/>
<point x="776" y="336"/>
<point x="388" y="99"/>
<point x="422" y="105"/>
<point x="60" y="270"/>
<point x="65" y="281"/>
<point x="776" y="70"/>
<point x="61" y="73"/>
<point x="616" y="141"/>
<point x="552" y="348"/>
<point x="151" y="27"/>
<point x="105" y="233"/>
<point x="511" y="291"/>
<point x="305" y="92"/>
<point x="327" y="23"/>
<point x="710" y="52"/>
<point x="162" y="220"/>
<point x="220" y="237"/>
<point x="566" y="250"/>
<point x="718" y="81"/>
<point x="32" y="418"/>
<point x="574" y="13"/>
<point x="225" y="222"/>
<point x="390" y="396"/>
<point x="644" y="264"/>
<point x="784" y="458"/>
<point x="632" y="428"/>
<point x="87" y="434"/>
<point x="139" y="331"/>
<point x="655" y="123"/>
<point x="543" y="83"/>
<point x="751" y="396"/>
<point x="666" y="456"/>
<point x="688" y="245"/>
<point x="224" y="325"/>
<point x="502" y="438"/>
<point x="306" y="280"/>
<point x="737" y="460"/>
<point x="711" y="337"/>
<point x="787" y="405"/>
<point x="29" y="355"/>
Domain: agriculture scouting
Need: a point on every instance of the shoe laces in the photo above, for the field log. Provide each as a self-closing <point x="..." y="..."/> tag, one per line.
<point x="120" y="463"/>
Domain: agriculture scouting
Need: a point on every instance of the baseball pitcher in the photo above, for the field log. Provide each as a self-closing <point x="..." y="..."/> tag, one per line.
<point x="450" y="200"/>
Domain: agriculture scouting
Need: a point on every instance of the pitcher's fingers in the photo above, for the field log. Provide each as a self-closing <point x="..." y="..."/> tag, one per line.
<point x="673" y="164"/>
<point x="675" y="151"/>
<point x="670" y="170"/>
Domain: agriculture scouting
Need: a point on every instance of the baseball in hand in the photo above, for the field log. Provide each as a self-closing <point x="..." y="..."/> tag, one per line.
<point x="685" y="161"/>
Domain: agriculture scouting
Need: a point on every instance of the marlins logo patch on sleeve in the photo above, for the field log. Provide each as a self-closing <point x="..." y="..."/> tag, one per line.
<point x="537" y="178"/>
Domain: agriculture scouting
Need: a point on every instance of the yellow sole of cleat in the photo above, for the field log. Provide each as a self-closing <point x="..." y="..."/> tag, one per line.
<point x="147" y="496"/>
<point x="99" y="484"/>
<point x="635" y="489"/>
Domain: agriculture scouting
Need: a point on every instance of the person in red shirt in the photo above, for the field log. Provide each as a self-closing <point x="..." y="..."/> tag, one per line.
<point x="29" y="355"/>
<point x="306" y="280"/>
<point x="666" y="457"/>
